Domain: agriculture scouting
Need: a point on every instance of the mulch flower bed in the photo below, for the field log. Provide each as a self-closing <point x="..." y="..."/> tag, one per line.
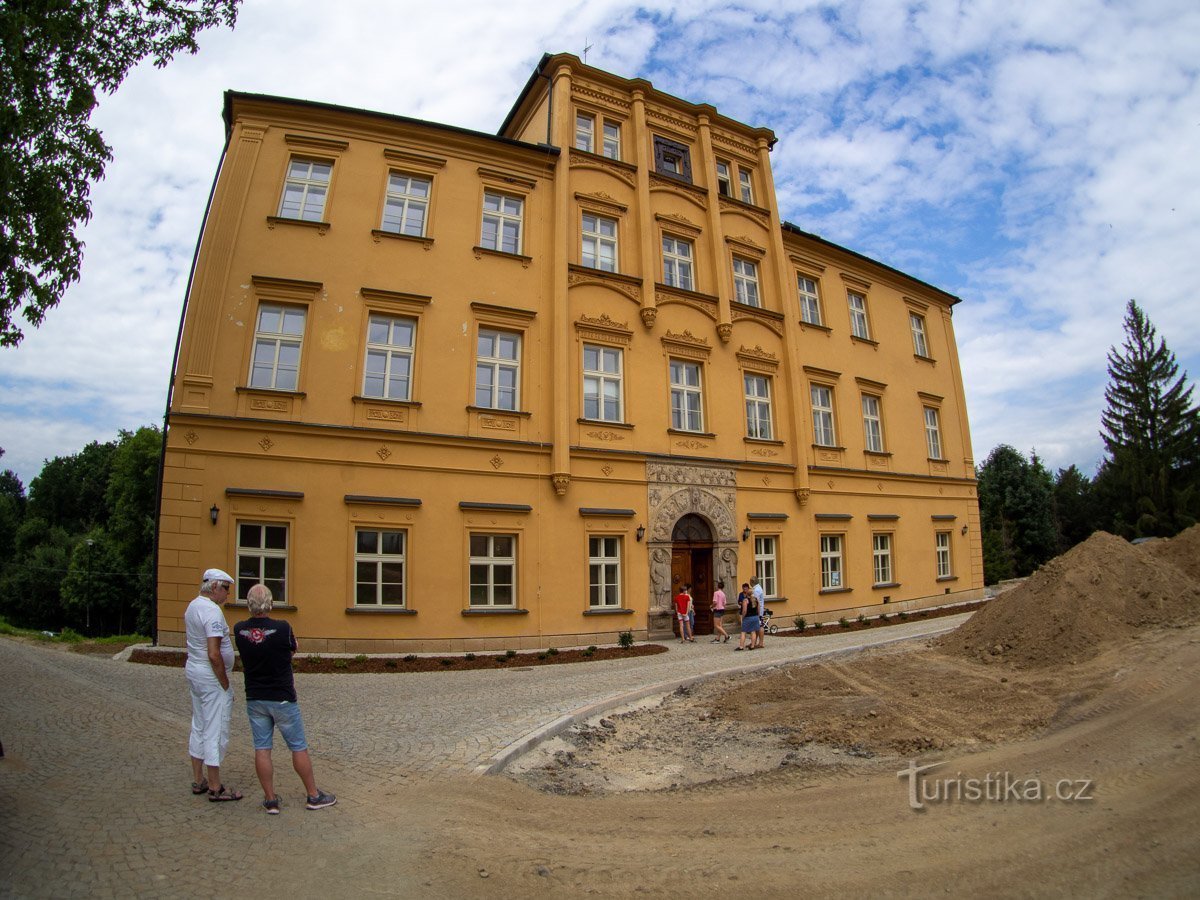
<point x="358" y="665"/>
<point x="835" y="627"/>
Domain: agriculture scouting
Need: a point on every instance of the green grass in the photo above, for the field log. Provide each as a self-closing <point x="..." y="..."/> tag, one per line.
<point x="70" y="636"/>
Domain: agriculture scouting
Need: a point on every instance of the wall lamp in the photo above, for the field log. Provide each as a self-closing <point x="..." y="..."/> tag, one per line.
<point x="641" y="532"/>
<point x="964" y="530"/>
<point x="213" y="513"/>
<point x="745" y="534"/>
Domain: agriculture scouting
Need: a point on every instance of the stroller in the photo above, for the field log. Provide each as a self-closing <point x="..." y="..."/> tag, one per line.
<point x="768" y="626"/>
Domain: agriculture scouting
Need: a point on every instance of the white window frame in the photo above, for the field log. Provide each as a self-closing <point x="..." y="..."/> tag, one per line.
<point x="756" y="390"/>
<point x="860" y="326"/>
<point x="268" y="368"/>
<point x="766" y="563"/>
<point x="610" y="146"/>
<point x="505" y="213"/>
<point x="920" y="344"/>
<point x="724" y="178"/>
<point x="601" y="381"/>
<point x="945" y="568"/>
<point x="585" y="132"/>
<point x="377" y="560"/>
<point x="824" y="430"/>
<point x="872" y="414"/>
<point x="310" y="179"/>
<point x="404" y="201"/>
<point x="833" y="563"/>
<point x="933" y="433"/>
<point x="745" y="281"/>
<point x="598" y="242"/>
<point x="810" y="300"/>
<point x="745" y="186"/>
<point x="678" y="268"/>
<point x="497" y="364"/>
<point x="881" y="558"/>
<point x="393" y="355"/>
<point x="492" y="562"/>
<point x="685" y="416"/>
<point x="604" y="571"/>
<point x="267" y="560"/>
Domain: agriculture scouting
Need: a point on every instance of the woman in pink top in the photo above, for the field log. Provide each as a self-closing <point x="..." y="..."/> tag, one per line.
<point x="718" y="612"/>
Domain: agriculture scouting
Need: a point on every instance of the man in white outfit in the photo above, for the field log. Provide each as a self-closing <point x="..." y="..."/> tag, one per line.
<point x="209" y="665"/>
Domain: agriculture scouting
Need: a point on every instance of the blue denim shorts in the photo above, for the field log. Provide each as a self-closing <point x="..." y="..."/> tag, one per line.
<point x="266" y="714"/>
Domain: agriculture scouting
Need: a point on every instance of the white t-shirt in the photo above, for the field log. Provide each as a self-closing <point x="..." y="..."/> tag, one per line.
<point x="760" y="599"/>
<point x="203" y="620"/>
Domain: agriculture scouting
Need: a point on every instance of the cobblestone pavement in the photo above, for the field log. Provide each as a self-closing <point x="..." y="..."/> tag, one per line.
<point x="94" y="796"/>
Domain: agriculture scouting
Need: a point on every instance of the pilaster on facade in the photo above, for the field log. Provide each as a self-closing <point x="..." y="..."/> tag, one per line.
<point x="716" y="237"/>
<point x="645" y="214"/>
<point x="560" y="320"/>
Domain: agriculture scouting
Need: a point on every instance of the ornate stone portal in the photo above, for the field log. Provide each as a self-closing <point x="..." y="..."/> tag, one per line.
<point x="676" y="490"/>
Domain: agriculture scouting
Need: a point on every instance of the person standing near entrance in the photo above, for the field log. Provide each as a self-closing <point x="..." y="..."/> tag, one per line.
<point x="683" y="606"/>
<point x="718" y="613"/>
<point x="760" y="605"/>
<point x="266" y="646"/>
<point x="749" y="613"/>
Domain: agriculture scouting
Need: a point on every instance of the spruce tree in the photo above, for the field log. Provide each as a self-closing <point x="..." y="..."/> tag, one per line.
<point x="1151" y="432"/>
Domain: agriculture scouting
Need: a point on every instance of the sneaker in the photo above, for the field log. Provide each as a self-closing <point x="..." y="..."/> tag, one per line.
<point x="320" y="801"/>
<point x="271" y="806"/>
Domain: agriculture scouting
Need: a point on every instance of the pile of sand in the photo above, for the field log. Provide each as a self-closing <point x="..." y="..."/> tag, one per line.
<point x="1098" y="593"/>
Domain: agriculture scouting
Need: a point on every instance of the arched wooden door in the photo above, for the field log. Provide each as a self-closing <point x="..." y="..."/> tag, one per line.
<point x="692" y="563"/>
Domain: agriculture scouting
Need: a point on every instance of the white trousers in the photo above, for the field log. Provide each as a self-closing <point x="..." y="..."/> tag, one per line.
<point x="211" y="708"/>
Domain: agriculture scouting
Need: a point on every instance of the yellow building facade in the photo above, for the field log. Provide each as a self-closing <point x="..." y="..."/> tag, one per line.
<point x="448" y="391"/>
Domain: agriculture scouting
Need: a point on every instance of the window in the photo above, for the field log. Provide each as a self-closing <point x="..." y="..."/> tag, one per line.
<point x="277" y="340"/>
<point x="744" y="189"/>
<point x="262" y="558"/>
<point x="872" y="424"/>
<point x="612" y="140"/>
<point x="677" y="262"/>
<point x="822" y="412"/>
<point x="764" y="563"/>
<point x="672" y="158"/>
<point x="882" y="554"/>
<point x="497" y="369"/>
<point x="810" y="301"/>
<point x="602" y="383"/>
<point x="407" y="203"/>
<point x="604" y="572"/>
<point x="304" y="190"/>
<point x="379" y="560"/>
<point x="388" y="370"/>
<point x="858" y="316"/>
<point x="831" y="562"/>
<point x="493" y="570"/>
<point x="724" y="182"/>
<point x="599" y="250"/>
<point x="933" y="433"/>
<point x="685" y="396"/>
<point x="745" y="281"/>
<point x="920" y="346"/>
<point x="585" y="133"/>
<point x="943" y="555"/>
<point x="758" y="406"/>
<point x="502" y="218"/>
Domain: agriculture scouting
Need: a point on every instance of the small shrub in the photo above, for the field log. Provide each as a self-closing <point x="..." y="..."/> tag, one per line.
<point x="361" y="658"/>
<point x="801" y="624"/>
<point x="862" y="619"/>
<point x="341" y="663"/>
<point x="592" y="648"/>
<point x="312" y="659"/>
<point x="902" y="615"/>
<point x="510" y="653"/>
<point x="446" y="662"/>
<point x="410" y="657"/>
<point x="883" y="617"/>
<point x="589" y="651"/>
<point x="843" y="622"/>
<point x="390" y="663"/>
<point x="625" y="639"/>
<point x="553" y="651"/>
<point x="70" y="636"/>
<point x="543" y="655"/>
<point x="469" y="656"/>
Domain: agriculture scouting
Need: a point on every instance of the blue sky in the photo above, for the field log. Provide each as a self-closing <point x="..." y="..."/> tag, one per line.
<point x="1037" y="159"/>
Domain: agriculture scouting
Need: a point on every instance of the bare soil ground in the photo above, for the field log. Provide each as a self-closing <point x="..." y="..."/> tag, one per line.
<point x="1069" y="703"/>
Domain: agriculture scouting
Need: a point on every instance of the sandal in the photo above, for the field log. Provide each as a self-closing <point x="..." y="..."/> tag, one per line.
<point x="221" y="795"/>
<point x="200" y="787"/>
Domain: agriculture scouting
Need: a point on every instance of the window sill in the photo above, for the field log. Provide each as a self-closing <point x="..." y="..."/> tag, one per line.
<point x="616" y="611"/>
<point x="321" y="227"/>
<point x="623" y="425"/>
<point x="843" y="590"/>
<point x="942" y="578"/>
<point x="392" y="401"/>
<point x="883" y="453"/>
<point x="490" y="410"/>
<point x="829" y="447"/>
<point x="817" y="325"/>
<point x="380" y="611"/>
<point x="769" y="441"/>
<point x="379" y="234"/>
<point x="925" y="359"/>
<point x="696" y="434"/>
<point x="480" y="252"/>
<point x="885" y="586"/>
<point x="250" y="389"/>
<point x="863" y="340"/>
<point x="495" y="612"/>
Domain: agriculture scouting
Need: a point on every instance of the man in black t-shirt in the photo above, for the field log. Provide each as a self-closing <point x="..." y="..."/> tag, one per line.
<point x="266" y="646"/>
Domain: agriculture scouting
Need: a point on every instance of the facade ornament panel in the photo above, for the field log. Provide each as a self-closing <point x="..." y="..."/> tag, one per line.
<point x="649" y="314"/>
<point x="579" y="160"/>
<point x="561" y="482"/>
<point x="602" y="97"/>
<point x="632" y="291"/>
<point x="725" y="332"/>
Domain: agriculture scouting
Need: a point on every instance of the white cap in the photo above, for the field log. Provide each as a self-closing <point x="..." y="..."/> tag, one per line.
<point x="217" y="575"/>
